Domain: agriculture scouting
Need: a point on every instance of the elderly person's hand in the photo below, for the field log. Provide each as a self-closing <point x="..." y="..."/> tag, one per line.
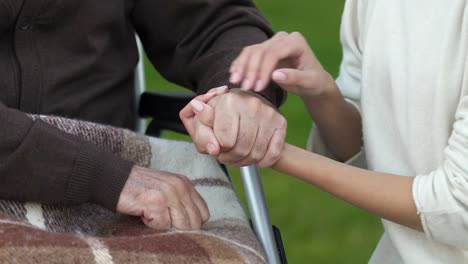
<point x="246" y="128"/>
<point x="163" y="200"/>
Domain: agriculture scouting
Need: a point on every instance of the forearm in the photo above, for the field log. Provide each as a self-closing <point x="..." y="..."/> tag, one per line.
<point x="41" y="163"/>
<point x="338" y="121"/>
<point x="388" y="196"/>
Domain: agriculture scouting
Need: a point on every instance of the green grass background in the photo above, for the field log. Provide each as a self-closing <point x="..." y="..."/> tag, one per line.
<point x="316" y="227"/>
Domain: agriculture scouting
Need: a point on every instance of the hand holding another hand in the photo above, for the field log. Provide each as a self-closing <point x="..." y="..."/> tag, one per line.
<point x="239" y="127"/>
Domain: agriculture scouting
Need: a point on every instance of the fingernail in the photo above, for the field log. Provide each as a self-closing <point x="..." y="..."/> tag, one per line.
<point x="211" y="148"/>
<point x="258" y="86"/>
<point x="197" y="105"/>
<point x="279" y="76"/>
<point x="222" y="88"/>
<point x="245" y="84"/>
<point x="235" y="77"/>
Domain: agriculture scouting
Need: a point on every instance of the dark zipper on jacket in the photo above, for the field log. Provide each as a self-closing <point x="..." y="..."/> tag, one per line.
<point x="17" y="71"/>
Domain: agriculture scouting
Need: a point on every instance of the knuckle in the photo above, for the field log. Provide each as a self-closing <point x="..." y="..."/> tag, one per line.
<point x="257" y="155"/>
<point x="272" y="53"/>
<point x="270" y="113"/>
<point x="276" y="150"/>
<point x="241" y="152"/>
<point x="296" y="35"/>
<point x="282" y="33"/>
<point x="255" y="47"/>
<point x="275" y="153"/>
<point x="254" y="106"/>
<point x="199" y="148"/>
<point x="224" y="140"/>
<point x="156" y="199"/>
<point x="180" y="184"/>
<point x="246" y="49"/>
<point x="260" y="48"/>
<point x="227" y="145"/>
<point x="283" y="123"/>
<point x="167" y="188"/>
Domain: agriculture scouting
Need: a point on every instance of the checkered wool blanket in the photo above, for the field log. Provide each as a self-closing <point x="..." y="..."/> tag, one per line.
<point x="35" y="233"/>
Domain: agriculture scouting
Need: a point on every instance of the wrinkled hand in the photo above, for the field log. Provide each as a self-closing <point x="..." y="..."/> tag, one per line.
<point x="285" y="58"/>
<point x="247" y="129"/>
<point x="163" y="200"/>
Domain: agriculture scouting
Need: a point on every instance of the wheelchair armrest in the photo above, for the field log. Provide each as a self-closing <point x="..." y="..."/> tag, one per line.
<point x="164" y="108"/>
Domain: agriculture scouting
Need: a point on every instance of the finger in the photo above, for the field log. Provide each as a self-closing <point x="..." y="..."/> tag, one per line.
<point x="184" y="188"/>
<point x="225" y="129"/>
<point x="202" y="135"/>
<point x="258" y="152"/>
<point x="179" y="216"/>
<point x="247" y="134"/>
<point x="204" y="139"/>
<point x="270" y="60"/>
<point x="274" y="148"/>
<point x="253" y="68"/>
<point x="205" y="113"/>
<point x="187" y="115"/>
<point x="291" y="46"/>
<point x="201" y="204"/>
<point x="159" y="219"/>
<point x="187" y="111"/>
<point x="238" y="66"/>
<point x="292" y="80"/>
<point x="193" y="213"/>
<point x="269" y="64"/>
<point x="217" y="91"/>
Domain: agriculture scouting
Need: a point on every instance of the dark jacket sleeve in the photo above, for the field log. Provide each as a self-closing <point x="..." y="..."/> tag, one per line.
<point x="193" y="42"/>
<point x="41" y="163"/>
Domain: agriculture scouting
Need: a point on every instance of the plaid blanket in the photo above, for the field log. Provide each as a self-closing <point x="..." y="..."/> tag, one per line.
<point x="38" y="233"/>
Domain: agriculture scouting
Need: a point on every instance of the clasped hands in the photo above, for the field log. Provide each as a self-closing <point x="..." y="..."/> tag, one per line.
<point x="239" y="127"/>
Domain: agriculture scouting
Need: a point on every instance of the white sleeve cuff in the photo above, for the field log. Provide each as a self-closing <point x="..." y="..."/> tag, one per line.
<point x="443" y="219"/>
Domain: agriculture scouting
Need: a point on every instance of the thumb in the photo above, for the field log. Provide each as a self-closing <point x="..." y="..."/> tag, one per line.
<point x="205" y="113"/>
<point x="292" y="80"/>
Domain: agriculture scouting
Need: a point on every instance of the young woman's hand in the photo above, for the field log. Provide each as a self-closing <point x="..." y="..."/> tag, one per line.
<point x="286" y="59"/>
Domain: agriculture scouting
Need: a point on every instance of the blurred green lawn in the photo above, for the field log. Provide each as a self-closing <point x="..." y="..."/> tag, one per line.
<point x="316" y="227"/>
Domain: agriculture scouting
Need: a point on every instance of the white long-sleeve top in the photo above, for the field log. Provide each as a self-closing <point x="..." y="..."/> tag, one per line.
<point x="405" y="67"/>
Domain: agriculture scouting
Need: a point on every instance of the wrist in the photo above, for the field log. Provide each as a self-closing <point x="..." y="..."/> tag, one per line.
<point x="259" y="96"/>
<point x="328" y="91"/>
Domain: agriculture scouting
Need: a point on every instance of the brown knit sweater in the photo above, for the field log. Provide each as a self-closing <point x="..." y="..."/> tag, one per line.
<point x="75" y="58"/>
